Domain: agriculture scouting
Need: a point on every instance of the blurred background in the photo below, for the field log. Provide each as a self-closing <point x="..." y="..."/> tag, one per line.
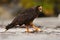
<point x="11" y="8"/>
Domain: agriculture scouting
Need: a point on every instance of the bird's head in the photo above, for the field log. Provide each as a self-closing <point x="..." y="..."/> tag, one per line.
<point x="38" y="9"/>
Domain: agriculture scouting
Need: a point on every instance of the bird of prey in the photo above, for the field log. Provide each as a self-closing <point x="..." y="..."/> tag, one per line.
<point x="26" y="17"/>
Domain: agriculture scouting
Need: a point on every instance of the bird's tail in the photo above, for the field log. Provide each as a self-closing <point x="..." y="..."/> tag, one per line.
<point x="9" y="26"/>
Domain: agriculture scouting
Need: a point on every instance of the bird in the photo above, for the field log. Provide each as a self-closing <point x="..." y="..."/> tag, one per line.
<point x="26" y="17"/>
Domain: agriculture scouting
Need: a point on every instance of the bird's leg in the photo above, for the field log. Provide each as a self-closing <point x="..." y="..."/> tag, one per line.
<point x="36" y="28"/>
<point x="27" y="29"/>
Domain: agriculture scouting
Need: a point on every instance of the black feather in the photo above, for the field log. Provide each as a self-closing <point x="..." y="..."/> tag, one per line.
<point x="25" y="17"/>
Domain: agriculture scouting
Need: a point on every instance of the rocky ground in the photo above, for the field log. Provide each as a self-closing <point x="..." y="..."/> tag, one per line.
<point x="50" y="27"/>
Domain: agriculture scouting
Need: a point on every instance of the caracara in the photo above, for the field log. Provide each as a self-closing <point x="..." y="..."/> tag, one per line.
<point x="26" y="17"/>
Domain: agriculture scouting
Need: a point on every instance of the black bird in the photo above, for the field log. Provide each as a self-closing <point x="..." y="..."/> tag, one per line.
<point x="26" y="17"/>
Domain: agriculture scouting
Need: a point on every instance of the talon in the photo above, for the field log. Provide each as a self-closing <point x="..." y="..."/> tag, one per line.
<point x="37" y="30"/>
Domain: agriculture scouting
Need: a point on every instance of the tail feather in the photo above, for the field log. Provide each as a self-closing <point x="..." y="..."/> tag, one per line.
<point x="9" y="26"/>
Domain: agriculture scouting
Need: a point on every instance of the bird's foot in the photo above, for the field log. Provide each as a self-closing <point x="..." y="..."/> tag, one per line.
<point x="38" y="30"/>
